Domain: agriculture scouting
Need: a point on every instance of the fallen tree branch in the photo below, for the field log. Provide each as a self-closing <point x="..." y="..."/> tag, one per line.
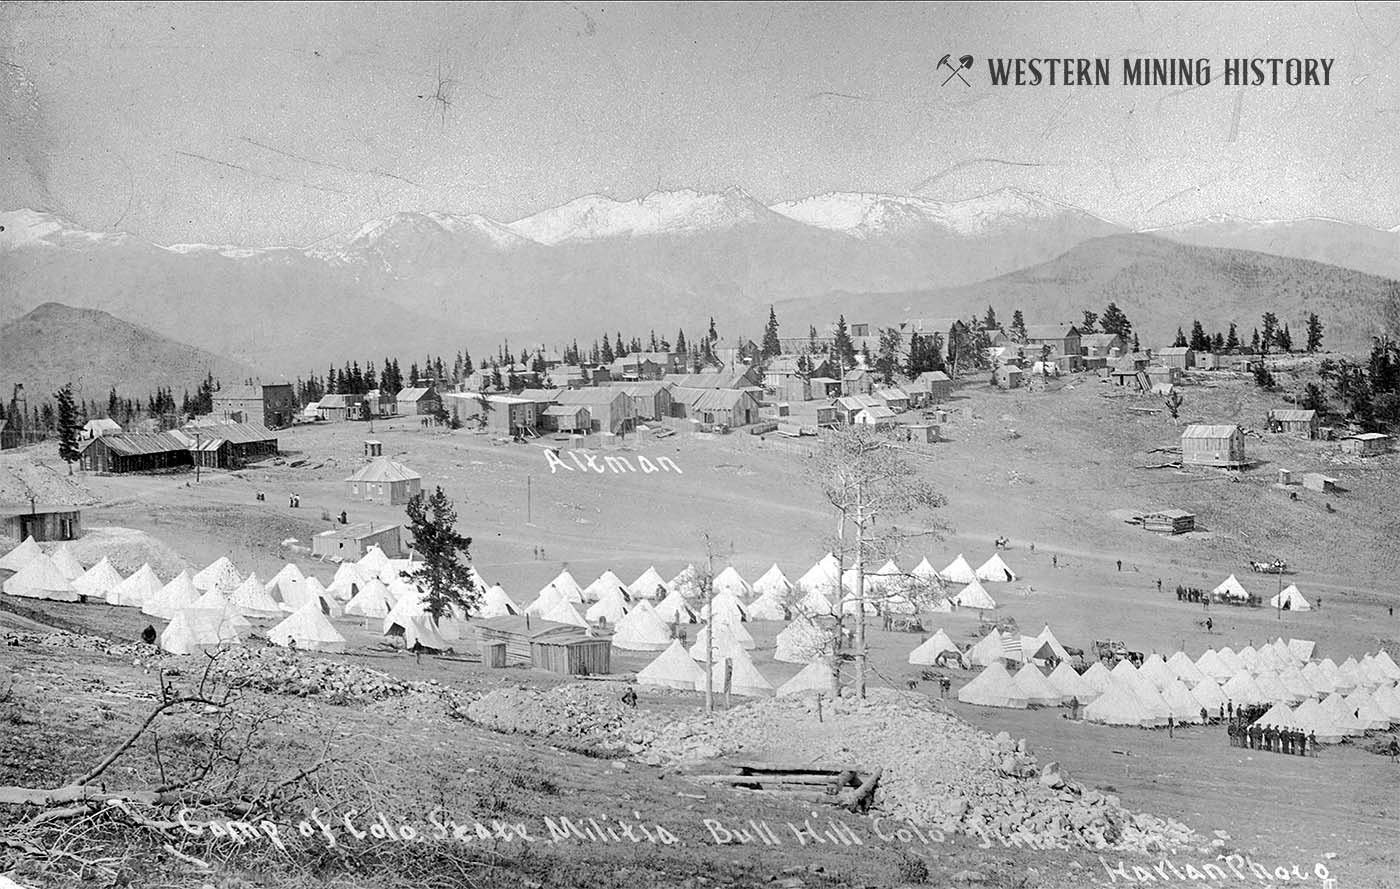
<point x="135" y="736"/>
<point x="78" y="793"/>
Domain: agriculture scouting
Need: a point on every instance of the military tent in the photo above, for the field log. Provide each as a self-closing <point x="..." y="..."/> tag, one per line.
<point x="687" y="583"/>
<point x="1290" y="600"/>
<point x="726" y="605"/>
<point x="993" y="687"/>
<point x="768" y="606"/>
<point x="958" y="571"/>
<point x="373" y="600"/>
<point x="1070" y="684"/>
<point x="1097" y="677"/>
<point x="348" y="581"/>
<point x="373" y="561"/>
<point x="18" y="557"/>
<point x="1230" y="588"/>
<point x="975" y="596"/>
<point x="745" y="680"/>
<point x="1156" y="671"/>
<point x="1211" y="697"/>
<point x="496" y="603"/>
<point x="215" y="600"/>
<point x="194" y="630"/>
<point x="926" y="654"/>
<point x="815" y="678"/>
<point x="98" y="581"/>
<point x="566" y="586"/>
<point x="1383" y="661"/>
<point x="178" y="593"/>
<point x="803" y="641"/>
<point x="1210" y="665"/>
<point x="1182" y="705"/>
<point x="674" y="610"/>
<point x="220" y="574"/>
<point x="995" y="570"/>
<point x="727" y="634"/>
<point x="1036" y="688"/>
<point x="140" y="586"/>
<point x="40" y="578"/>
<point x="648" y="585"/>
<point x="641" y="630"/>
<point x="773" y="583"/>
<point x="1242" y="689"/>
<point x="673" y="668"/>
<point x="610" y="606"/>
<point x="66" y="562"/>
<point x="731" y="583"/>
<point x="307" y="629"/>
<point x="1184" y="668"/>
<point x="1120" y="705"/>
<point x="420" y="630"/>
<point x="987" y="651"/>
<point x="607" y="584"/>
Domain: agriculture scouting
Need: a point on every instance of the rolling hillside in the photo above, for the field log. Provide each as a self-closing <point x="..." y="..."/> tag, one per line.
<point x="56" y="344"/>
<point x="1159" y="283"/>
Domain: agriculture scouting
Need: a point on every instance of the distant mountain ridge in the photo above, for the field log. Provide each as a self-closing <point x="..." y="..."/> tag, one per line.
<point x="419" y="282"/>
<point x="56" y="344"/>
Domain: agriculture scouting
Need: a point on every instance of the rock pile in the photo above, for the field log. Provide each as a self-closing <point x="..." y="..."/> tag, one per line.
<point x="590" y="715"/>
<point x="938" y="770"/>
<point x="285" y="672"/>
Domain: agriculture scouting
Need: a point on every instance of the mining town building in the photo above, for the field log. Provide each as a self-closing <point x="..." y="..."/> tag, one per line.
<point x="1212" y="445"/>
<point x="384" y="481"/>
<point x="351" y="542"/>
<point x="273" y="405"/>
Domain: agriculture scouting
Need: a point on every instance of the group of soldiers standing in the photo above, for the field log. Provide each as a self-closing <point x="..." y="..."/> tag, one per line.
<point x="1191" y="594"/>
<point x="1275" y="739"/>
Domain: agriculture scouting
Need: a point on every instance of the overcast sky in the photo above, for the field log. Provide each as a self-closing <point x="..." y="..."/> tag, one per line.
<point x="261" y="124"/>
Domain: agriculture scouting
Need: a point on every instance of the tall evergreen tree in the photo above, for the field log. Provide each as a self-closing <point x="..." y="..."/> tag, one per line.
<point x="989" y="320"/>
<point x="842" y="348"/>
<point x="1018" y="326"/>
<point x="444" y="573"/>
<point x="1199" y="341"/>
<point x="113" y="404"/>
<point x="1232" y="339"/>
<point x="67" y="426"/>
<point x="771" y="346"/>
<point x="607" y="356"/>
<point x="1115" y="321"/>
<point x="1314" y="332"/>
<point x="680" y="342"/>
<point x="887" y="363"/>
<point x="1284" y="338"/>
<point x="1091" y="320"/>
<point x="1180" y="339"/>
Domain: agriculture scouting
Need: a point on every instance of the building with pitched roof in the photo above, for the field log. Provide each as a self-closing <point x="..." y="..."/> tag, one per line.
<point x="384" y="481"/>
<point x="273" y="405"/>
<point x="1212" y="445"/>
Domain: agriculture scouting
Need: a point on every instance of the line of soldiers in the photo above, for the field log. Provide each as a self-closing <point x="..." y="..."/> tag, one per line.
<point x="1275" y="739"/>
<point x="1191" y="594"/>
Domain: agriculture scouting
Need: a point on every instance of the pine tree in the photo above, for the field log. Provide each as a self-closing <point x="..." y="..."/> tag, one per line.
<point x="1314" y="332"/>
<point x="1254" y="342"/>
<point x="1284" y="339"/>
<point x="842" y="347"/>
<point x="680" y="342"/>
<point x="444" y="575"/>
<point x="371" y="383"/>
<point x="67" y="426"/>
<point x="1018" y="326"/>
<point x="1091" y="320"/>
<point x="113" y="404"/>
<point x="332" y="386"/>
<point x="989" y="320"/>
<point x="654" y="346"/>
<point x="1180" y="338"/>
<point x="771" y="346"/>
<point x="1232" y="339"/>
<point x="888" y="361"/>
<point x="713" y="335"/>
<point x="620" y="350"/>
<point x="1115" y="321"/>
<point x="608" y="355"/>
<point x="812" y="339"/>
<point x="1199" y="341"/>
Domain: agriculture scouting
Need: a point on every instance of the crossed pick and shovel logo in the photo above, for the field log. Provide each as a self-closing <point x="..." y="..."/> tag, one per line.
<point x="963" y="63"/>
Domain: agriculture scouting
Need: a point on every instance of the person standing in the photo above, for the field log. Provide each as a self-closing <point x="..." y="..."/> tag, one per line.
<point x="1120" y="564"/>
<point x="1312" y="743"/>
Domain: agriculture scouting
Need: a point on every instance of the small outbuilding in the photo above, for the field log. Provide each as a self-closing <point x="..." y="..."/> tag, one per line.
<point x="384" y="481"/>
<point x="1366" y="444"/>
<point x="1212" y="445"/>
<point x="351" y="542"/>
<point x="420" y="401"/>
<point x="1169" y="521"/>
<point x="1294" y="421"/>
<point x="99" y="427"/>
<point x="43" y="523"/>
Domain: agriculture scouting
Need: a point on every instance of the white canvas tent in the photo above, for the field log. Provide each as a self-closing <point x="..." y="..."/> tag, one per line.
<point x="768" y="606"/>
<point x="607" y="584"/>
<point x="993" y="687"/>
<point x="641" y="630"/>
<point x="219" y="574"/>
<point x="725" y="605"/>
<point x="730" y="582"/>
<point x="673" y="668"/>
<point x="648" y="585"/>
<point x="995" y="570"/>
<point x="687" y="583"/>
<point x="1070" y="684"/>
<point x="373" y="600"/>
<point x="611" y="605"/>
<point x="98" y="581"/>
<point x="1230" y="588"/>
<point x="194" y="630"/>
<point x="974" y="595"/>
<point x="422" y="632"/>
<point x="773" y="583"/>
<point x="215" y="600"/>
<point x="823" y="578"/>
<point x="958" y="571"/>
<point x="566" y="586"/>
<point x="815" y="678"/>
<point x="40" y="578"/>
<point x="307" y="629"/>
<point x="18" y="557"/>
<point x="674" y="609"/>
<point x="66" y="562"/>
<point x="1120" y="705"/>
<point x="496" y="603"/>
<point x="727" y="633"/>
<point x="1290" y="600"/>
<point x="133" y="592"/>
<point x="1036" y="688"/>
<point x="178" y="593"/>
<point x="745" y="680"/>
<point x="987" y="651"/>
<point x="926" y="654"/>
<point x="373" y="561"/>
<point x="802" y="642"/>
<point x="348" y="581"/>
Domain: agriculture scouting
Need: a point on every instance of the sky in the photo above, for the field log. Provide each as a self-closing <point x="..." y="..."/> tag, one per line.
<point x="261" y="124"/>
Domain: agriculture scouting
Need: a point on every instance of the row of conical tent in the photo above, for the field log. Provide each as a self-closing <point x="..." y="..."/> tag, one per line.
<point x="1290" y="598"/>
<point x="676" y="668"/>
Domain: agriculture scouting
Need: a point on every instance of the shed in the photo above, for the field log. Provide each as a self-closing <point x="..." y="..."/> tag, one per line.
<point x="1179" y="357"/>
<point x="895" y="398"/>
<point x="725" y="407"/>
<point x="1296" y="421"/>
<point x="384" y="481"/>
<point x="610" y="409"/>
<point x="931" y="387"/>
<point x="1366" y="444"/>
<point x="1316" y="481"/>
<point x="418" y="401"/>
<point x="825" y="387"/>
<point x="518" y="633"/>
<point x="43" y="523"/>
<point x="576" y="655"/>
<point x="1211" y="445"/>
<point x="1169" y="521"/>
<point x="1006" y="376"/>
<point x="350" y="543"/>
<point x="101" y="426"/>
<point x="246" y="442"/>
<point x="879" y="417"/>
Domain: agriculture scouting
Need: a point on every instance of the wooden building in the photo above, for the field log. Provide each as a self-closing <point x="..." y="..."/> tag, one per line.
<point x="635" y="367"/>
<point x="1007" y="376"/>
<point x="9" y="434"/>
<point x="497" y="413"/>
<point x="879" y="417"/>
<point x="725" y="407"/>
<point x="930" y="387"/>
<point x="135" y="452"/>
<point x="1293" y="420"/>
<point x="518" y="632"/>
<point x="1102" y="345"/>
<point x="1211" y="445"/>
<point x="610" y="408"/>
<point x="244" y="443"/>
<point x="895" y="398"/>
<point x="570" y="418"/>
<point x="100" y="426"/>
<point x="421" y="401"/>
<point x="1063" y="339"/>
<point x="1169" y="521"/>
<point x="273" y="405"/>
<point x="576" y="655"/>
<point x="351" y="542"/>
<point x="43" y="523"/>
<point x="384" y="481"/>
<point x="1179" y="357"/>
<point x="1366" y="444"/>
<point x="341" y="407"/>
<point x="651" y="400"/>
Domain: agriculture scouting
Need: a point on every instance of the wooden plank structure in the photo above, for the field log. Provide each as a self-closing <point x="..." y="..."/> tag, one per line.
<point x="518" y="633"/>
<point x="845" y="786"/>
<point x="1169" y="521"/>
<point x="574" y="655"/>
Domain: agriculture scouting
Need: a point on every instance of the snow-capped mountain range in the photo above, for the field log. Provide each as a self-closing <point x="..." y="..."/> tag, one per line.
<point x="670" y="258"/>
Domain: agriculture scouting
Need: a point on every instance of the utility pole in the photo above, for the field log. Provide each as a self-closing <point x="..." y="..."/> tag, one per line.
<point x="528" y="506"/>
<point x="709" y="626"/>
<point x="198" y="456"/>
<point x="859" y="591"/>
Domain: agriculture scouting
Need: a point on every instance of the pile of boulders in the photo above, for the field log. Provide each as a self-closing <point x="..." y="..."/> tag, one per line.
<point x="938" y="770"/>
<point x="280" y="671"/>
<point x="77" y="642"/>
<point x="587" y="714"/>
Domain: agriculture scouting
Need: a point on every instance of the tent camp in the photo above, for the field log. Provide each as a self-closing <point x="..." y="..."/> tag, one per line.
<point x="1070" y="684"/>
<point x="220" y="574"/>
<point x="803" y="641"/>
<point x="611" y="605"/>
<point x="927" y="653"/>
<point x="1156" y="670"/>
<point x="40" y="578"/>
<point x="815" y="678"/>
<point x="674" y="609"/>
<point x="768" y="606"/>
<point x="730" y="582"/>
<point x="1210" y="665"/>
<point x="1120" y="705"/>
<point x="98" y="581"/>
<point x="773" y="583"/>
<point x="641" y="630"/>
<point x="1242" y="689"/>
<point x="1036" y="688"/>
<point x="958" y="571"/>
<point x="673" y="668"/>
<point x="66" y="562"/>
<point x="1184" y="668"/>
<point x="18" y="557"/>
<point x="496" y="603"/>
<point x="607" y="584"/>
<point x="648" y="585"/>
<point x="1097" y="677"/>
<point x="987" y="651"/>
<point x="215" y="600"/>
<point x="307" y="629"/>
<point x="995" y="570"/>
<point x="178" y="593"/>
<point x="974" y="595"/>
<point x="1183" y="705"/>
<point x="373" y="600"/>
<point x="194" y="630"/>
<point x="1230" y="589"/>
<point x="133" y="592"/>
<point x="1290" y="600"/>
<point x="725" y="605"/>
<point x="728" y="634"/>
<point x="1211" y="697"/>
<point x="993" y="687"/>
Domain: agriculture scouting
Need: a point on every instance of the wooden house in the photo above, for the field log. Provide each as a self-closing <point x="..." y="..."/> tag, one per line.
<point x="1063" y="339"/>
<point x="1294" y="421"/>
<point x="725" y="407"/>
<point x="1007" y="376"/>
<point x="1366" y="444"/>
<point x="895" y="398"/>
<point x="1179" y="357"/>
<point x="930" y="387"/>
<point x="848" y="406"/>
<point x="421" y="401"/>
<point x="1169" y="521"/>
<point x="610" y="408"/>
<point x="272" y="405"/>
<point x="242" y="443"/>
<point x="574" y="655"/>
<point x="858" y="382"/>
<point x="1102" y="345"/>
<point x="651" y="400"/>
<point x="635" y="367"/>
<point x="43" y="523"/>
<point x="825" y="387"/>
<point x="351" y="542"/>
<point x="1212" y="445"/>
<point x="341" y="407"/>
<point x="497" y="412"/>
<point x="384" y="481"/>
<point x="878" y="416"/>
<point x="518" y="633"/>
<point x="135" y="452"/>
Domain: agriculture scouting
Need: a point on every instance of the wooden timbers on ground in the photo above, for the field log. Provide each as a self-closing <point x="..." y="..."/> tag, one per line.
<point x="835" y="785"/>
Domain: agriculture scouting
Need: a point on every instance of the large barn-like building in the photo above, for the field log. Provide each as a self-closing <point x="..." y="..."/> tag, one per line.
<point x="1210" y="445"/>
